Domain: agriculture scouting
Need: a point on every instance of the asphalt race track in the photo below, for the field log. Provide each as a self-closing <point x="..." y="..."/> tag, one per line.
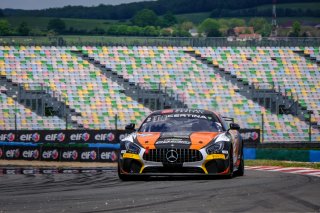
<point x="102" y="191"/>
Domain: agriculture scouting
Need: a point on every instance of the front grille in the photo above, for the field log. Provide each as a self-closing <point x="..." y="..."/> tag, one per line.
<point x="183" y="155"/>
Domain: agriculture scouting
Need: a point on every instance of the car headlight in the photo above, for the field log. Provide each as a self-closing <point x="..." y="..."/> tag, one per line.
<point x="217" y="144"/>
<point x="132" y="148"/>
<point x="215" y="147"/>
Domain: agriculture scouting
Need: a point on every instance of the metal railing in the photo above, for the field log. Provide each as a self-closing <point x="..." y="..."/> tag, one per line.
<point x="155" y="41"/>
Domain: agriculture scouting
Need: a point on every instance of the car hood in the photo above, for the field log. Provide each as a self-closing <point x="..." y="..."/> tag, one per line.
<point x="191" y="140"/>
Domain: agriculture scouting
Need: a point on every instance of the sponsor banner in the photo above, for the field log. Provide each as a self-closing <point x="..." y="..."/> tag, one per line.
<point x="50" y="154"/>
<point x="250" y="135"/>
<point x="63" y="136"/>
<point x="95" y="136"/>
<point x="107" y="155"/>
<point x="70" y="154"/>
<point x="12" y="152"/>
<point x="30" y="153"/>
<point x="1" y="152"/>
<point x="88" y="155"/>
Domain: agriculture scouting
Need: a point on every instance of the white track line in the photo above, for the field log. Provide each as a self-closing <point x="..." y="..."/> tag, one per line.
<point x="292" y="170"/>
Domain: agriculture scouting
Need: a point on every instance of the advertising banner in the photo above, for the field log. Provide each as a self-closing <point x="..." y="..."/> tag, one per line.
<point x="30" y="153"/>
<point x="1" y="152"/>
<point x="50" y="154"/>
<point x="63" y="136"/>
<point x="70" y="154"/>
<point x="250" y="135"/>
<point x="89" y="155"/>
<point x="12" y="152"/>
<point x="107" y="155"/>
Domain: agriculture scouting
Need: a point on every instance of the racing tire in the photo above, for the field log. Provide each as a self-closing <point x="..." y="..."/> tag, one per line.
<point x="240" y="171"/>
<point x="230" y="175"/>
<point x="122" y="176"/>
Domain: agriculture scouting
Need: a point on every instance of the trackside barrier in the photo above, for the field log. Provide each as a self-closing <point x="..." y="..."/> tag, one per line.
<point x="84" y="153"/>
<point x="282" y="154"/>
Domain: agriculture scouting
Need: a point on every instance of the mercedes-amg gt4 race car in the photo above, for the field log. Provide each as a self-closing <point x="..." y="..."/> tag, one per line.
<point x="181" y="142"/>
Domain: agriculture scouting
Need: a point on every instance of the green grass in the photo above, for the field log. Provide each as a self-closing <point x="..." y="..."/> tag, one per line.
<point x="281" y="163"/>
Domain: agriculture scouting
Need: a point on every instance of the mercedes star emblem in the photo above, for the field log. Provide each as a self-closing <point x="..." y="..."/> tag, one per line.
<point x="172" y="156"/>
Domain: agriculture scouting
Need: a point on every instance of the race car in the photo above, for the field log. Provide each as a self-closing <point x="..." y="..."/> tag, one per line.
<point x="181" y="142"/>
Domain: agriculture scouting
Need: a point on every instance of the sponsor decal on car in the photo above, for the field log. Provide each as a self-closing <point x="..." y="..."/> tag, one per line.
<point x="129" y="155"/>
<point x="173" y="141"/>
<point x="216" y="156"/>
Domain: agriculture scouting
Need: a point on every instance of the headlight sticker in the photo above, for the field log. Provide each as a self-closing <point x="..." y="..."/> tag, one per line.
<point x="225" y="151"/>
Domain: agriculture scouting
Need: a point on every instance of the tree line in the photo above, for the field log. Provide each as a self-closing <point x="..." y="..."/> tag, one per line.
<point x="253" y="12"/>
<point x="160" y="7"/>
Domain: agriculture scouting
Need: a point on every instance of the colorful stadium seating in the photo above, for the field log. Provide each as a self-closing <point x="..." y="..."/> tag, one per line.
<point x="98" y="99"/>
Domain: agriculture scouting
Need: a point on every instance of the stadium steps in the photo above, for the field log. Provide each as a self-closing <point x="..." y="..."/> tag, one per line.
<point x="308" y="56"/>
<point x="135" y="91"/>
<point x="254" y="92"/>
<point x="21" y="95"/>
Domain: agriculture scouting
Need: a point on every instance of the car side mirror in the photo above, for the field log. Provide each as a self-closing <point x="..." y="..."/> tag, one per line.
<point x="234" y="126"/>
<point x="130" y="126"/>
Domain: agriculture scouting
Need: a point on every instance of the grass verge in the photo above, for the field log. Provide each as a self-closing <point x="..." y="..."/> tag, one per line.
<point x="281" y="163"/>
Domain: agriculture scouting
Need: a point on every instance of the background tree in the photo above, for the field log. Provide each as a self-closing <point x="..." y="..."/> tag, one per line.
<point x="57" y="25"/>
<point x="169" y="19"/>
<point x="210" y="27"/>
<point x="187" y="25"/>
<point x="144" y="18"/>
<point x="4" y="28"/>
<point x="236" y="22"/>
<point x="296" y="28"/>
<point x="23" y="29"/>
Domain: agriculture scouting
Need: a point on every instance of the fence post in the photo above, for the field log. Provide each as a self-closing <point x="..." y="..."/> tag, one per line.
<point x="310" y="126"/>
<point x="116" y="121"/>
<point x="262" y="128"/>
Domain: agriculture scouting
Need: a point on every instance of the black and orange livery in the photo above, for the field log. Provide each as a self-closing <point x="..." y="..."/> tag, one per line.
<point x="181" y="142"/>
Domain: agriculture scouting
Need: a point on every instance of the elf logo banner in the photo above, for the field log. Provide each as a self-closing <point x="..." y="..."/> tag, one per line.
<point x="89" y="155"/>
<point x="1" y="153"/>
<point x="108" y="156"/>
<point x="105" y="137"/>
<point x="30" y="154"/>
<point x="35" y="137"/>
<point x="70" y="155"/>
<point x="55" y="137"/>
<point x="7" y="137"/>
<point x="80" y="136"/>
<point x="13" y="153"/>
<point x="50" y="154"/>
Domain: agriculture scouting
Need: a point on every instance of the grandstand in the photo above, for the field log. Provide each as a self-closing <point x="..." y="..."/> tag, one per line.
<point x="92" y="82"/>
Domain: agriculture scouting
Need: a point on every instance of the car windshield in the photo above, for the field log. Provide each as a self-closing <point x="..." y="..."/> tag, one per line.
<point x="178" y="123"/>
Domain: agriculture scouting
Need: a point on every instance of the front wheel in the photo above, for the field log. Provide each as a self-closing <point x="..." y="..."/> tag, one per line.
<point x="122" y="176"/>
<point x="240" y="171"/>
<point x="230" y="175"/>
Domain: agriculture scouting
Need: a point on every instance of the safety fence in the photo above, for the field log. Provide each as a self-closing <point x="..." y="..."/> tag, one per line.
<point x="156" y="41"/>
<point x="73" y="145"/>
